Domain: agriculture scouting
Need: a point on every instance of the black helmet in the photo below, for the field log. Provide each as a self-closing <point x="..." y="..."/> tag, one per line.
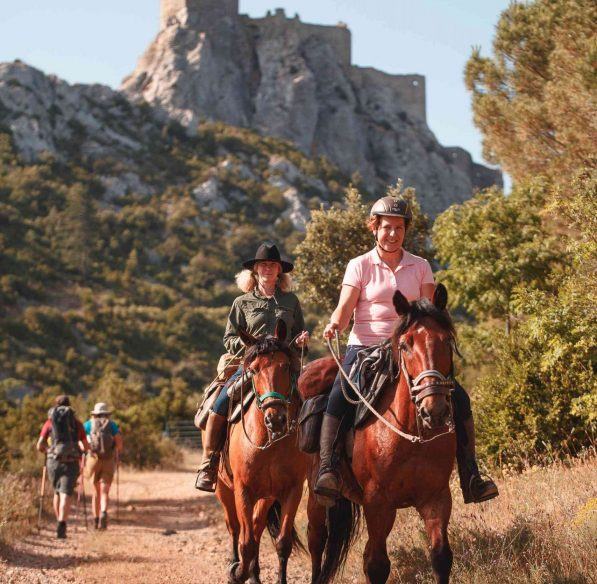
<point x="390" y="206"/>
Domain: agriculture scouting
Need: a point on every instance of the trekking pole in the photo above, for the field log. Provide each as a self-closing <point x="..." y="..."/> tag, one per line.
<point x="82" y="479"/>
<point x="41" y="494"/>
<point x="79" y="487"/>
<point x="117" y="484"/>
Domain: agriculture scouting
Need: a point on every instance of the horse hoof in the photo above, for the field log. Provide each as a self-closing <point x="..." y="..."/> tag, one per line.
<point x="232" y="579"/>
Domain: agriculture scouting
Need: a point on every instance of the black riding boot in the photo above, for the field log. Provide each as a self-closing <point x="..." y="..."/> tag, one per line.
<point x="328" y="482"/>
<point x="474" y="488"/>
<point x="214" y="438"/>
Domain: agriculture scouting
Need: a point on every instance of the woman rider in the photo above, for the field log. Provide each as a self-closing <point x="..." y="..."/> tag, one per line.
<point x="367" y="290"/>
<point x="266" y="284"/>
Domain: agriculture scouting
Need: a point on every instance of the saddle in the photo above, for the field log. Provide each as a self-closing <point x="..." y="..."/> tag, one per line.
<point x="372" y="371"/>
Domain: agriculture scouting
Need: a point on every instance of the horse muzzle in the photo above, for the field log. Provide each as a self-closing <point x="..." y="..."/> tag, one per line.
<point x="435" y="414"/>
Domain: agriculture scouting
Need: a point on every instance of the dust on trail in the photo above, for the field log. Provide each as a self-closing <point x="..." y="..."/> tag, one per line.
<point x="167" y="532"/>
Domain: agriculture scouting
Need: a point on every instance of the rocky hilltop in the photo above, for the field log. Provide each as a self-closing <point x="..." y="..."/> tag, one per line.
<point x="295" y="81"/>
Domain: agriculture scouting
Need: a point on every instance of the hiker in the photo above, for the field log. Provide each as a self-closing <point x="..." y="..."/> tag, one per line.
<point x="67" y="444"/>
<point x="267" y="298"/>
<point x="366" y="295"/>
<point x="105" y="443"/>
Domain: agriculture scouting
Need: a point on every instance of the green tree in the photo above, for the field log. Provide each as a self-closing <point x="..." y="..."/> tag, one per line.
<point x="534" y="100"/>
<point x="492" y="244"/>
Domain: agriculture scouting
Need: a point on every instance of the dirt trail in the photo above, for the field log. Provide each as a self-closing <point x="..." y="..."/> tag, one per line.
<point x="168" y="532"/>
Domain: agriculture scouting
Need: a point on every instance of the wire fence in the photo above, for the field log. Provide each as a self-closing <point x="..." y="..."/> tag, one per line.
<point x="183" y="432"/>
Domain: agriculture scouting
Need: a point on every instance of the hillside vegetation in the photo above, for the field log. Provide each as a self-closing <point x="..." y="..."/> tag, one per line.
<point x="124" y="298"/>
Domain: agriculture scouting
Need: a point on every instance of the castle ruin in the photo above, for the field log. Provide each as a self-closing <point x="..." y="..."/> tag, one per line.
<point x="294" y="80"/>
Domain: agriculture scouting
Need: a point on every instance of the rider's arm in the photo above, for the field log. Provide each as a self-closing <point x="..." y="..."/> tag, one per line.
<point x="340" y="318"/>
<point x="236" y="320"/>
<point x="427" y="290"/>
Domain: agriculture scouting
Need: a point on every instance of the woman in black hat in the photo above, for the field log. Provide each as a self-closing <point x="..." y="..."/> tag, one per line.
<point x="266" y="299"/>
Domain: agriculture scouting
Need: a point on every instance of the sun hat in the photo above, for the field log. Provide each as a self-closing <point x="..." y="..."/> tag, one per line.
<point x="100" y="408"/>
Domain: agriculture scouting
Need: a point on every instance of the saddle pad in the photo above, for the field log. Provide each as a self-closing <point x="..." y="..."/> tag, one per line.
<point x="235" y="416"/>
<point x="372" y="371"/>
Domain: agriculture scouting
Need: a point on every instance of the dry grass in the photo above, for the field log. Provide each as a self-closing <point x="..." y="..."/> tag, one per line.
<point x="18" y="500"/>
<point x="542" y="529"/>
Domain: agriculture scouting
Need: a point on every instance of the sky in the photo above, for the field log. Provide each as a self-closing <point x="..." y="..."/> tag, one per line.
<point x="99" y="42"/>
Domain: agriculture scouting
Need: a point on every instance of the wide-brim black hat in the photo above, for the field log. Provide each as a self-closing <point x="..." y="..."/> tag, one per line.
<point x="268" y="253"/>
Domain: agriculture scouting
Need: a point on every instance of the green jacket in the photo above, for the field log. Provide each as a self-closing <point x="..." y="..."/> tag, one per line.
<point x="258" y="315"/>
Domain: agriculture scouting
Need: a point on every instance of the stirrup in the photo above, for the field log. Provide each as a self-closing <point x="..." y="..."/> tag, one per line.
<point x="491" y="490"/>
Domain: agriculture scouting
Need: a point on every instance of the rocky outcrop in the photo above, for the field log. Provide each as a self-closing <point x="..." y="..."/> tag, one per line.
<point x="294" y="81"/>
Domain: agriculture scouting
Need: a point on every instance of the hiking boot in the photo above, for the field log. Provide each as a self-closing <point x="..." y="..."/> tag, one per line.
<point x="475" y="489"/>
<point x="103" y="520"/>
<point x="207" y="475"/>
<point x="61" y="530"/>
<point x="328" y="483"/>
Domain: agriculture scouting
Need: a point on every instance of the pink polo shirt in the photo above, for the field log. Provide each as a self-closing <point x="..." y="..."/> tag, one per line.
<point x="374" y="314"/>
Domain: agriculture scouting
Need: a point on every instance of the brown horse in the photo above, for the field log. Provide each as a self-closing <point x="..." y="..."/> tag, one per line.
<point x="403" y="461"/>
<point x="268" y="469"/>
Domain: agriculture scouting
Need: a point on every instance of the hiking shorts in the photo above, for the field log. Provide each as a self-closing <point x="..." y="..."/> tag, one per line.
<point x="99" y="469"/>
<point x="63" y="475"/>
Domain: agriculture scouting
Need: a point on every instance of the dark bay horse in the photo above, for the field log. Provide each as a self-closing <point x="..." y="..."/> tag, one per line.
<point x="268" y="469"/>
<point x="405" y="460"/>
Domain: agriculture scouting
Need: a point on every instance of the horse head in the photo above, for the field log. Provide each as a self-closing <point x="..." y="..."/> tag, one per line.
<point x="423" y="343"/>
<point x="269" y="359"/>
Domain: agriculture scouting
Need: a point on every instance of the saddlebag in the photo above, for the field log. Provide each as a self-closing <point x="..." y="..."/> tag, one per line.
<point x="309" y="423"/>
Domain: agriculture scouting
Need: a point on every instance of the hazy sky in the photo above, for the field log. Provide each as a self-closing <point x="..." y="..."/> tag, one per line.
<point x="99" y="42"/>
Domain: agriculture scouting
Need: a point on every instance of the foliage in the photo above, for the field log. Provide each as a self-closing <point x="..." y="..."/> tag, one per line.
<point x="336" y="235"/>
<point x="492" y="244"/>
<point x="137" y="282"/>
<point x="534" y="101"/>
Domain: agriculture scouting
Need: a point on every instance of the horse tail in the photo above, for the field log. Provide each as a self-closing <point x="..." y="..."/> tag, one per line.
<point x="345" y="516"/>
<point x="274" y="516"/>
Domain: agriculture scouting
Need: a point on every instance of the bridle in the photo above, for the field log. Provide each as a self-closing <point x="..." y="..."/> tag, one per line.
<point x="276" y="400"/>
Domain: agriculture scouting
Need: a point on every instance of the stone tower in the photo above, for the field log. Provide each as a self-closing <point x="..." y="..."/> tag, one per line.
<point x="201" y="14"/>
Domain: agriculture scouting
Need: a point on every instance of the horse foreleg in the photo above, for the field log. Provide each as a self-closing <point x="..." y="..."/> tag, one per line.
<point x="226" y="497"/>
<point x="259" y="523"/>
<point x="247" y="544"/>
<point x="317" y="534"/>
<point x="376" y="563"/>
<point x="285" y="540"/>
<point x="436" y="515"/>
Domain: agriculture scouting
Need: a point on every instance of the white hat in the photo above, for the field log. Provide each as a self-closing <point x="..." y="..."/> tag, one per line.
<point x="100" y="408"/>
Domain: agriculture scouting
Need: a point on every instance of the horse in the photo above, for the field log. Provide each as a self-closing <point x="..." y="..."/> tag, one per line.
<point x="403" y="458"/>
<point x="268" y="470"/>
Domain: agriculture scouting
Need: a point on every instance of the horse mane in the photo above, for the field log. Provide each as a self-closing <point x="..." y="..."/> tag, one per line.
<point x="267" y="344"/>
<point x="420" y="309"/>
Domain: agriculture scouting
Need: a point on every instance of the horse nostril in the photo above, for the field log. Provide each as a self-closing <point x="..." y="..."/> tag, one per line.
<point x="425" y="413"/>
<point x="283" y="419"/>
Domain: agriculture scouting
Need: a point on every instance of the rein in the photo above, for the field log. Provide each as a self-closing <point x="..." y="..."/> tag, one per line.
<point x="416" y="391"/>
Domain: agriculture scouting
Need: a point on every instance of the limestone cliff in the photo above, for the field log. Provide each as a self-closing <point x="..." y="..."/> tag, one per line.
<point x="295" y="81"/>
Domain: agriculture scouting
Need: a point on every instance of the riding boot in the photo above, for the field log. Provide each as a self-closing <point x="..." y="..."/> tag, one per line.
<point x="328" y="483"/>
<point x="214" y="438"/>
<point x="475" y="489"/>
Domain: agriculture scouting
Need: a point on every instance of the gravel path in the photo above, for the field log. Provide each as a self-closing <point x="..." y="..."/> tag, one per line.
<point x="167" y="532"/>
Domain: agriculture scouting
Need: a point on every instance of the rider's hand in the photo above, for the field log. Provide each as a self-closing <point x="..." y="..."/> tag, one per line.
<point x="330" y="330"/>
<point x="303" y="339"/>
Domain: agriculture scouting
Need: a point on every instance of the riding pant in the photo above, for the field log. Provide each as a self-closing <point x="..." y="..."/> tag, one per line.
<point x="222" y="403"/>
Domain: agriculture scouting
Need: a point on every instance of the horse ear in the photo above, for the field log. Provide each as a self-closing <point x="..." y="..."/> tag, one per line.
<point x="280" y="332"/>
<point x="440" y="297"/>
<point x="247" y="338"/>
<point x="400" y="303"/>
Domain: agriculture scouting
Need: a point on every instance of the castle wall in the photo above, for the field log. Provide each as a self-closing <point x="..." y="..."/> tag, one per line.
<point x="338" y="37"/>
<point x="409" y="90"/>
<point x="204" y="13"/>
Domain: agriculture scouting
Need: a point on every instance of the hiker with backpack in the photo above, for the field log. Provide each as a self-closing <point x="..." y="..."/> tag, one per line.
<point x="105" y="442"/>
<point x="63" y="440"/>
